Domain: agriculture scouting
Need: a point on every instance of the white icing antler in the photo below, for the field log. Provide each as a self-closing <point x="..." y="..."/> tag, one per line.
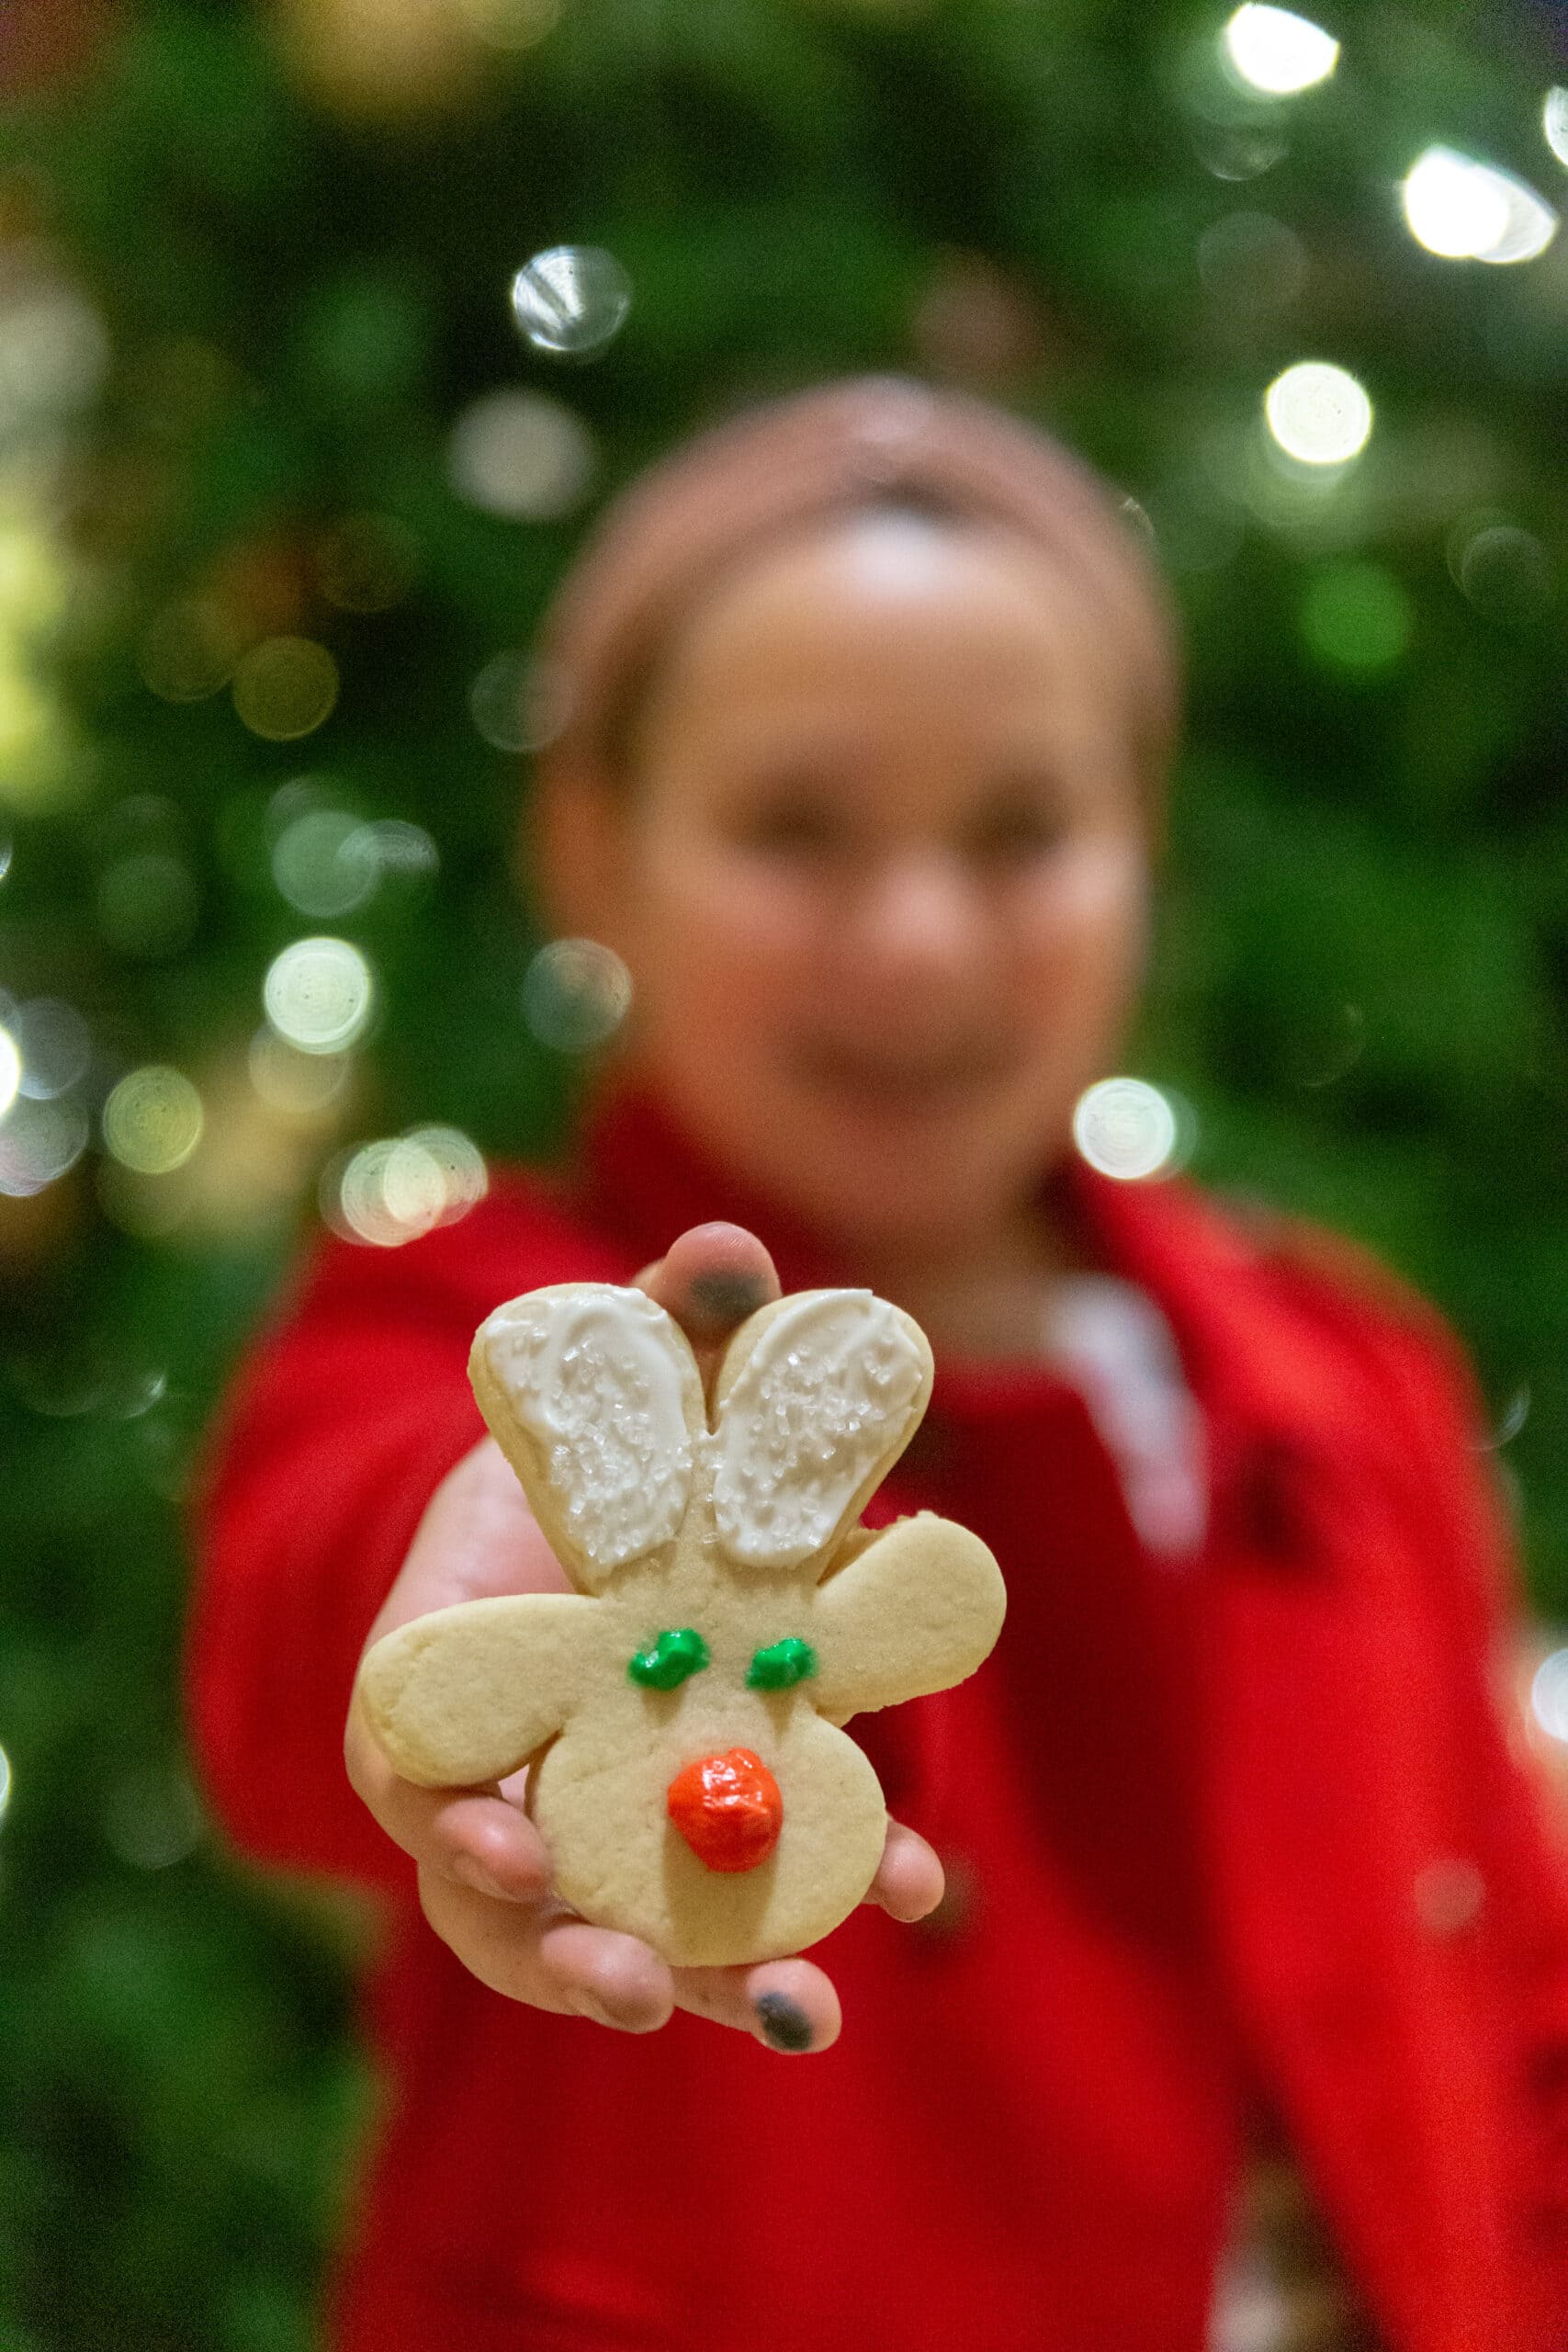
<point x="819" y="1410"/>
<point x="592" y="1394"/>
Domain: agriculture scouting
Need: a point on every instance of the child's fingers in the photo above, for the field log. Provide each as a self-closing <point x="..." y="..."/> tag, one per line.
<point x="909" y="1879"/>
<point x="597" y="1972"/>
<point x="789" y="2005"/>
<point x="539" y="1954"/>
<point x="710" y="1279"/>
<point x="473" y="1834"/>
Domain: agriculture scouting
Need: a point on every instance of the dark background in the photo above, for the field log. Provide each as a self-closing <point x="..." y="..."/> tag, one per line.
<point x="254" y="277"/>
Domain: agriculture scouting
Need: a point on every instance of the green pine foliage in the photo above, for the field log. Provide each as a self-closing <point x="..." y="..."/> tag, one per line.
<point x="1363" y="943"/>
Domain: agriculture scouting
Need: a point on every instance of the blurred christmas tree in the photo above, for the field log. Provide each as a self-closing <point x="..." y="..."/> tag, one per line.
<point x="286" y="468"/>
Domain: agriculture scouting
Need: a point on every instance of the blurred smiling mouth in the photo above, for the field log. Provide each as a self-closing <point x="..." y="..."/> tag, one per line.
<point x="906" y="1084"/>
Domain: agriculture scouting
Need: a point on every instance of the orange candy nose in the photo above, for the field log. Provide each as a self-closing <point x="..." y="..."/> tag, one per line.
<point x="729" y="1810"/>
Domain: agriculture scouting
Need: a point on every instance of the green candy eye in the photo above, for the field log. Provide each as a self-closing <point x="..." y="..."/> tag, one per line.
<point x="780" y="1666"/>
<point x="673" y="1656"/>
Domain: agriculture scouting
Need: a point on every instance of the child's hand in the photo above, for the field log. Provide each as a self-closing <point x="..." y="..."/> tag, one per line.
<point x="484" y="1872"/>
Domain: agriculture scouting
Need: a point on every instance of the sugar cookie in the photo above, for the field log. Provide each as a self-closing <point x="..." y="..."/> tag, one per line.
<point x="684" y="1705"/>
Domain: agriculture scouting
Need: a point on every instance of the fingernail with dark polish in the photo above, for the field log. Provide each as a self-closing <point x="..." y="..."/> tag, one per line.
<point x="716" y="1300"/>
<point x="784" y="2023"/>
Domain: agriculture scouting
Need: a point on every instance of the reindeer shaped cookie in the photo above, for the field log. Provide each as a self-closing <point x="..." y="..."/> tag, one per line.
<point x="684" y="1705"/>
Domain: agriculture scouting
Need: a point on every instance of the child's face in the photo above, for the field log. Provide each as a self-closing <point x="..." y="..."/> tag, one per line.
<point x="881" y="875"/>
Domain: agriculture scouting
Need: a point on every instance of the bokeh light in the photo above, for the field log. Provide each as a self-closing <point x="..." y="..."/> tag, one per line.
<point x="56" y="1047"/>
<point x="1126" y="1128"/>
<point x="1357" y="616"/>
<point x="284" y="687"/>
<point x="152" y="1120"/>
<point x="1549" y="1695"/>
<point x="5" y="1783"/>
<point x="1318" y="413"/>
<point x="154" y="1818"/>
<point x="1510" y="1420"/>
<point x="10" y="1070"/>
<point x="1251" y="258"/>
<point x="324" y="863"/>
<point x="34" y="582"/>
<point x="1231" y="153"/>
<point x="521" y="455"/>
<point x="1554" y="123"/>
<point x="1465" y="210"/>
<point x="30" y="739"/>
<point x="148" y="904"/>
<point x="395" y="846"/>
<point x="572" y="300"/>
<point x="517" y="704"/>
<point x="576" y="993"/>
<point x="1331" y="1048"/>
<point x="1503" y="570"/>
<point x="367" y="564"/>
<point x="188" y="652"/>
<point x="462" y="1166"/>
<point x="38" y="1142"/>
<point x="512" y="24"/>
<point x="398" y="1187"/>
<point x="54" y="348"/>
<point x="1278" y="52"/>
<point x="300" y="1085"/>
<point x="319" y="995"/>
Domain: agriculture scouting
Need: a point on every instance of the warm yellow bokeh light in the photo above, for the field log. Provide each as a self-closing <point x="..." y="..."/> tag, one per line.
<point x="32" y="580"/>
<point x="152" y="1120"/>
<point x="284" y="687"/>
<point x="300" y="1086"/>
<point x="1318" y="413"/>
<point x="186" y="651"/>
<point x="512" y="24"/>
<point x="30" y="734"/>
<point x="1278" y="52"/>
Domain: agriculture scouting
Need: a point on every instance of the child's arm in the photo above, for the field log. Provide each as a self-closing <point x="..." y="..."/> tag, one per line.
<point x="341" y="1427"/>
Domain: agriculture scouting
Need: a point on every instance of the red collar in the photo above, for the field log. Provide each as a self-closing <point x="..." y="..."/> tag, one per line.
<point x="1249" y="1353"/>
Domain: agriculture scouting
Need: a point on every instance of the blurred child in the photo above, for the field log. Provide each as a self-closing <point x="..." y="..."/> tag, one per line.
<point x="870" y="698"/>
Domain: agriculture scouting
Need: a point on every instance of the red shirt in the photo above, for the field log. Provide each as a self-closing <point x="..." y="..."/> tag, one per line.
<point x="1195" y="1817"/>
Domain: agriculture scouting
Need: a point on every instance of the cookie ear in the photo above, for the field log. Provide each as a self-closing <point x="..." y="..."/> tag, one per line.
<point x="467" y="1693"/>
<point x="819" y="1395"/>
<point x="917" y="1609"/>
<point x="592" y="1394"/>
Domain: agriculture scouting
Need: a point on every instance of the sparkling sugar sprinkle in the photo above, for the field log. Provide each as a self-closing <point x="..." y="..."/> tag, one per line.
<point x="823" y="1396"/>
